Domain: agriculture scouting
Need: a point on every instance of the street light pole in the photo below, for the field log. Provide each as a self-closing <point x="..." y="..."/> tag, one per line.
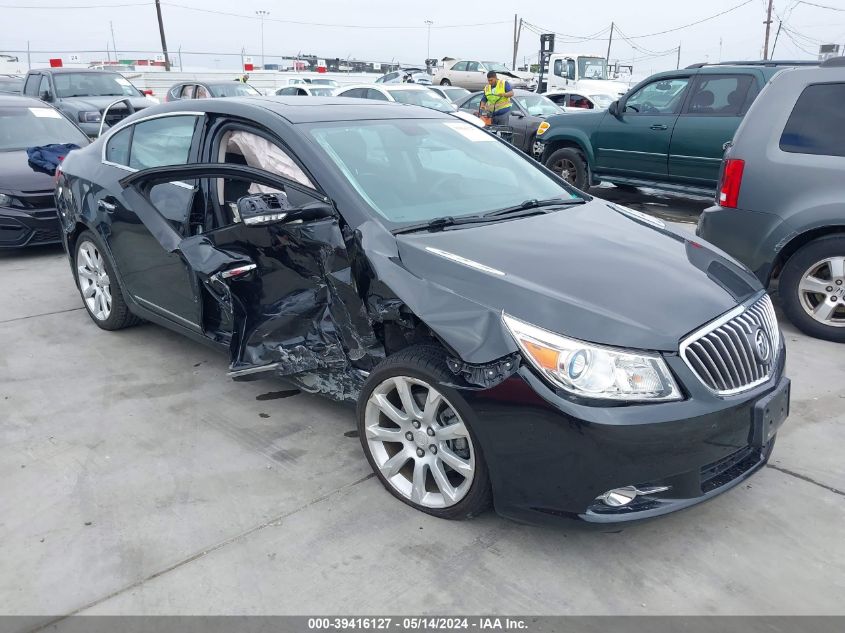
<point x="261" y="13"/>
<point x="428" y="23"/>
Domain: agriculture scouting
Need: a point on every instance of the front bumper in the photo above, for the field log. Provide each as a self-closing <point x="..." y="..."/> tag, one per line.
<point x="29" y="227"/>
<point x="551" y="457"/>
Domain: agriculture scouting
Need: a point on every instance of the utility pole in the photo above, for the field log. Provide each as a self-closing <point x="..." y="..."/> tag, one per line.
<point x="678" y="65"/>
<point x="261" y="13"/>
<point x="113" y="45"/>
<point x="720" y="50"/>
<point x="428" y="23"/>
<point x="517" y="32"/>
<point x="610" y="41"/>
<point x="768" y="26"/>
<point x="161" y="34"/>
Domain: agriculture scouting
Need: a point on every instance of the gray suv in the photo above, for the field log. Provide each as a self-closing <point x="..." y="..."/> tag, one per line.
<point x="781" y="200"/>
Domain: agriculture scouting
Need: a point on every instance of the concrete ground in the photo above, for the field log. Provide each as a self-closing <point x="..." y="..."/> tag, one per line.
<point x="138" y="479"/>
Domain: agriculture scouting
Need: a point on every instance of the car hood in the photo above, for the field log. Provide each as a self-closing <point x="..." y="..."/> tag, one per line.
<point x="586" y="120"/>
<point x="17" y="175"/>
<point x="100" y="103"/>
<point x="596" y="272"/>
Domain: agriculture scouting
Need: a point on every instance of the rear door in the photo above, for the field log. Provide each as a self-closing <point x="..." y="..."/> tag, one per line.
<point x="155" y="277"/>
<point x="475" y="76"/>
<point x="636" y="141"/>
<point x="709" y="119"/>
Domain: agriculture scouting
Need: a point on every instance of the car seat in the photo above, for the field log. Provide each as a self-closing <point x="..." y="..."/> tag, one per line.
<point x="702" y="102"/>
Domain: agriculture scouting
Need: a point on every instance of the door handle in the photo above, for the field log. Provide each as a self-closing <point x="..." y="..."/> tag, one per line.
<point x="659" y="126"/>
<point x="233" y="273"/>
<point x="108" y="207"/>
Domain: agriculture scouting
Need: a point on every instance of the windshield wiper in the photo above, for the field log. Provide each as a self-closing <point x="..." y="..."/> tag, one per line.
<point x="438" y="224"/>
<point x="534" y="204"/>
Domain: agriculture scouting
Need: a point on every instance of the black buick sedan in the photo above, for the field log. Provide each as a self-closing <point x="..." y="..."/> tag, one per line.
<point x="506" y="338"/>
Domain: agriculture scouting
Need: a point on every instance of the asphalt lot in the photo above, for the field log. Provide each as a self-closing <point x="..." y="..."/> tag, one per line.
<point x="138" y="479"/>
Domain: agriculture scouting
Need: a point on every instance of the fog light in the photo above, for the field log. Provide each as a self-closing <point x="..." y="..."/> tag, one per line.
<point x="619" y="497"/>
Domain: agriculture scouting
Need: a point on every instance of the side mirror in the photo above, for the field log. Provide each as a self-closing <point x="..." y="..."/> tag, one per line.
<point x="272" y="208"/>
<point x="614" y="108"/>
<point x="46" y="96"/>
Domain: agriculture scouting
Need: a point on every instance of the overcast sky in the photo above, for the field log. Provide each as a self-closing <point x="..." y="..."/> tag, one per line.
<point x="135" y="28"/>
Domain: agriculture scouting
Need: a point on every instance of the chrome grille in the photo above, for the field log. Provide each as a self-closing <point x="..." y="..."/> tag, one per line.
<point x="726" y="354"/>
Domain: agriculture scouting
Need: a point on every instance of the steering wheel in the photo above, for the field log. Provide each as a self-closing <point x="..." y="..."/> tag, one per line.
<point x="649" y="107"/>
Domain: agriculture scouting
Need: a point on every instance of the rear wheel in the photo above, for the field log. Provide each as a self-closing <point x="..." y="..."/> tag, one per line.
<point x="98" y="286"/>
<point x="445" y="82"/>
<point x="570" y="164"/>
<point x="416" y="433"/>
<point x="812" y="288"/>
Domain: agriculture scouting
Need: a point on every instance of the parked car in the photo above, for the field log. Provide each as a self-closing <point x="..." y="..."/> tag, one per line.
<point x="472" y="75"/>
<point x="452" y="93"/>
<point x="528" y="112"/>
<point x="292" y="81"/>
<point x="324" y="82"/>
<point x="580" y="102"/>
<point x="406" y="76"/>
<point x="209" y="90"/>
<point x="83" y="95"/>
<point x="668" y="132"/>
<point x="409" y="94"/>
<point x="27" y="208"/>
<point x="387" y="256"/>
<point x="781" y="203"/>
<point x="307" y="90"/>
<point x="11" y="84"/>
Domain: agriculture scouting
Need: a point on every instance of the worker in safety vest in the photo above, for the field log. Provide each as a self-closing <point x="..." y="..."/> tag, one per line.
<point x="497" y="99"/>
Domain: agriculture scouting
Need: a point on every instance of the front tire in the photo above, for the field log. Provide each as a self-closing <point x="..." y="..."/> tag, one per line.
<point x="812" y="288"/>
<point x="98" y="285"/>
<point x="417" y="435"/>
<point x="570" y="164"/>
<point x="445" y="82"/>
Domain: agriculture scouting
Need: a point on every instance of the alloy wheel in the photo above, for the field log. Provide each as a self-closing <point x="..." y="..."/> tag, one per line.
<point x="419" y="443"/>
<point x="566" y="169"/>
<point x="822" y="291"/>
<point x="94" y="281"/>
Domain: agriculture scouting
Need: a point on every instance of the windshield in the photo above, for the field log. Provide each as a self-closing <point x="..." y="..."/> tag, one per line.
<point x="22" y="127"/>
<point x="11" y="84"/>
<point x="592" y="68"/>
<point x="415" y="170"/>
<point x="321" y="91"/>
<point x="93" y="85"/>
<point x="455" y="94"/>
<point x="496" y="66"/>
<point x="602" y="101"/>
<point x="537" y="105"/>
<point x="234" y="89"/>
<point x="425" y="98"/>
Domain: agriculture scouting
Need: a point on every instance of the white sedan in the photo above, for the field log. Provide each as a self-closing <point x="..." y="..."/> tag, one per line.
<point x="307" y="90"/>
<point x="407" y="93"/>
<point x="579" y="101"/>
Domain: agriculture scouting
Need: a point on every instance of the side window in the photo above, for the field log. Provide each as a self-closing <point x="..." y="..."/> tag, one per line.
<point x="376" y="95"/>
<point x="117" y="147"/>
<point x="355" y="92"/>
<point x="719" y="95"/>
<point x="44" y="86"/>
<point x="201" y="93"/>
<point x="460" y="66"/>
<point x="817" y="123"/>
<point x="578" y="101"/>
<point x="301" y="92"/>
<point x="187" y="91"/>
<point x="473" y="104"/>
<point x="31" y="86"/>
<point x="473" y="67"/>
<point x="163" y="141"/>
<point x="663" y="96"/>
<point x="558" y="69"/>
<point x="570" y="68"/>
<point x="286" y="91"/>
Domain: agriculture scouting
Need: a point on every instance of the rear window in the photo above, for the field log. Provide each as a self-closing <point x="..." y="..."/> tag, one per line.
<point x="817" y="122"/>
<point x="22" y="127"/>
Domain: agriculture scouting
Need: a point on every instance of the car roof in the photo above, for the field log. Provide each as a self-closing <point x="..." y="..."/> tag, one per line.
<point x="294" y="110"/>
<point x="24" y="102"/>
<point x="75" y="70"/>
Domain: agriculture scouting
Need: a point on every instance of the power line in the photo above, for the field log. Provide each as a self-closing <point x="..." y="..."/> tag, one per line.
<point x="820" y="6"/>
<point x="686" y="26"/>
<point x="325" y="24"/>
<point x="87" y="6"/>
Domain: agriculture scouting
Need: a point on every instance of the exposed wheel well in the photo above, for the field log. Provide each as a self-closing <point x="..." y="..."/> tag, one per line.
<point x="798" y="242"/>
<point x="556" y="145"/>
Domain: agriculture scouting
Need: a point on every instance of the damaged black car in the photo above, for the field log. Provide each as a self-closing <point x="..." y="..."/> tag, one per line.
<point x="506" y="338"/>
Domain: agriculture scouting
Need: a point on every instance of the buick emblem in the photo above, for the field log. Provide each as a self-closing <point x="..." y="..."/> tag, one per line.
<point x="762" y="346"/>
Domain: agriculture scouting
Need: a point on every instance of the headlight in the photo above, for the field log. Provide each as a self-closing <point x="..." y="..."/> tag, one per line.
<point x="5" y="201"/>
<point x="90" y="116"/>
<point x="543" y="127"/>
<point x="594" y="371"/>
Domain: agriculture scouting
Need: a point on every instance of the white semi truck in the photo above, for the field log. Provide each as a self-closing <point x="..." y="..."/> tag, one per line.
<point x="584" y="73"/>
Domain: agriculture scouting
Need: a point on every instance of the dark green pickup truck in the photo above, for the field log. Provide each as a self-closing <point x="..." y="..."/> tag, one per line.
<point x="668" y="132"/>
